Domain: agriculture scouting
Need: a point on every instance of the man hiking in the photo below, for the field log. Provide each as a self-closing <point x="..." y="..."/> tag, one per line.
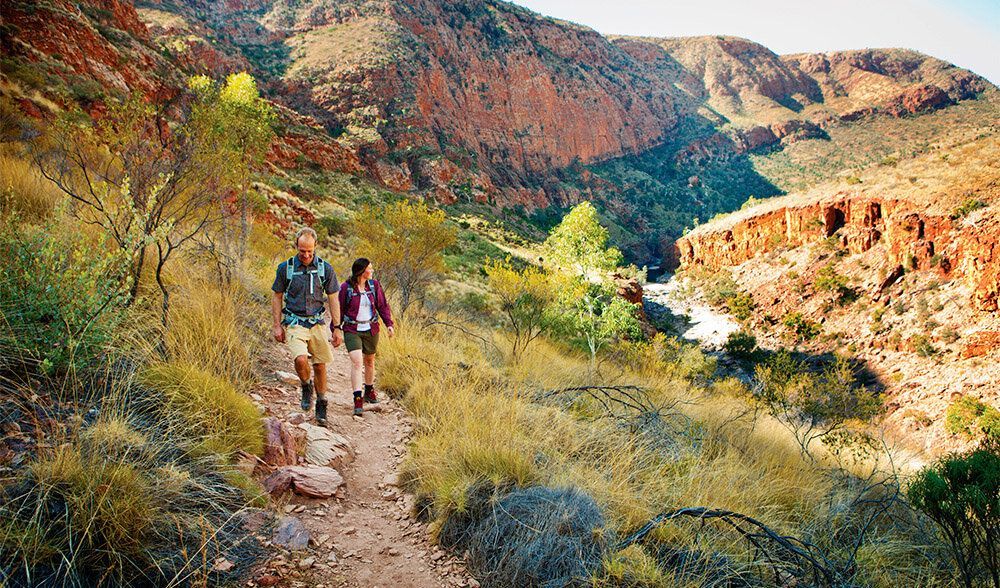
<point x="302" y="286"/>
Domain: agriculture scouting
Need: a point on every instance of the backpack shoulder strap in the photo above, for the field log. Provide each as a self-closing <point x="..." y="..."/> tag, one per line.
<point x="289" y="268"/>
<point x="321" y="268"/>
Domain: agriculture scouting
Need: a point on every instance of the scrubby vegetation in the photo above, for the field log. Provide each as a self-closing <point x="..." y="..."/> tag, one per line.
<point x="129" y="420"/>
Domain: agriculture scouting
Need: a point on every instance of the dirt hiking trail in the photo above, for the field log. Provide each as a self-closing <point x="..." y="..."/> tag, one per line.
<point x="365" y="535"/>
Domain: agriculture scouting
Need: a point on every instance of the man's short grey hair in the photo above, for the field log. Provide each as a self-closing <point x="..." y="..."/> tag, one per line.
<point x="305" y="231"/>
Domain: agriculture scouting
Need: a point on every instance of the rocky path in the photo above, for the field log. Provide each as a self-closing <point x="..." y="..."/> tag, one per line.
<point x="364" y="535"/>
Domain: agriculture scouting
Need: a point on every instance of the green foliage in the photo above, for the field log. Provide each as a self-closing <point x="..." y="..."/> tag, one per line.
<point x="923" y="346"/>
<point x="525" y="297"/>
<point x="968" y="415"/>
<point x="470" y="253"/>
<point x="814" y="404"/>
<point x="802" y="327"/>
<point x="579" y="243"/>
<point x="405" y="242"/>
<point x="594" y="315"/>
<point x="828" y="280"/>
<point x="741" y="344"/>
<point x="968" y="206"/>
<point x="961" y="493"/>
<point x="61" y="297"/>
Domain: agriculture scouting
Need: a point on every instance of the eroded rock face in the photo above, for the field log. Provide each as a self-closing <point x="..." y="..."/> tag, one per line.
<point x="914" y="239"/>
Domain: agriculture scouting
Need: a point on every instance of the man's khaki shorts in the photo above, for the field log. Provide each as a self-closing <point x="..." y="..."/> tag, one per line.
<point x="313" y="342"/>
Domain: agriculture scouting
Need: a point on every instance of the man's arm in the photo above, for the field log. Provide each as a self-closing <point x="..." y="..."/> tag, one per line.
<point x="277" y="329"/>
<point x="338" y="333"/>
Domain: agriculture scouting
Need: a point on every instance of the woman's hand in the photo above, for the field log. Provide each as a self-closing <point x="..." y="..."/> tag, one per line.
<point x="392" y="331"/>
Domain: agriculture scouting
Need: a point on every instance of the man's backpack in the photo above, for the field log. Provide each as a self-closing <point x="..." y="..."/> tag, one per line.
<point x="319" y="272"/>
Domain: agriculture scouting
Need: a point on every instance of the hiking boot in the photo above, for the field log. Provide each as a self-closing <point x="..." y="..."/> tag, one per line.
<point x="307" y="395"/>
<point x="321" y="411"/>
<point x="359" y="405"/>
<point x="370" y="396"/>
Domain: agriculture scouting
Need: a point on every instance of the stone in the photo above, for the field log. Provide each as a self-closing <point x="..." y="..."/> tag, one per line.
<point x="291" y="533"/>
<point x="310" y="481"/>
<point x="307" y="563"/>
<point x="326" y="448"/>
<point x="279" y="443"/>
<point x="288" y="378"/>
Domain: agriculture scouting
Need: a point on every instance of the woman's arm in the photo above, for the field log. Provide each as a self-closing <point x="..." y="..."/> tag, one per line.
<point x="382" y="305"/>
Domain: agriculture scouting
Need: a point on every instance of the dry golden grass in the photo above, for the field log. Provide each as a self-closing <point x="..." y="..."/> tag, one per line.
<point x="480" y="419"/>
<point x="23" y="189"/>
<point x="478" y="422"/>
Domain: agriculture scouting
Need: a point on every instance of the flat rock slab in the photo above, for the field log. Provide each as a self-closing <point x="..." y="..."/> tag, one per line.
<point x="307" y="480"/>
<point x="291" y="533"/>
<point x="326" y="448"/>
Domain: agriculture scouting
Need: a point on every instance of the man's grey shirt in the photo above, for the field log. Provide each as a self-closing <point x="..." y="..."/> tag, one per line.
<point x="305" y="295"/>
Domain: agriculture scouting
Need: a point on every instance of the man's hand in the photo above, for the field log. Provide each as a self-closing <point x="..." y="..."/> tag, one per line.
<point x="279" y="333"/>
<point x="392" y="332"/>
<point x="337" y="338"/>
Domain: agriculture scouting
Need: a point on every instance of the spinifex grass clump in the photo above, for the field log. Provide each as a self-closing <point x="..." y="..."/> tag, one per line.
<point x="208" y="408"/>
<point x="533" y="536"/>
<point x="120" y="502"/>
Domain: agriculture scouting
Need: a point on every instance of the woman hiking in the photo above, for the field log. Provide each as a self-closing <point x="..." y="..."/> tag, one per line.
<point x="363" y="305"/>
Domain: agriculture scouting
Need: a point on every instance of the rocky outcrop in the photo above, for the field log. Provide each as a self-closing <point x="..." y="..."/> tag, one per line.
<point x="967" y="249"/>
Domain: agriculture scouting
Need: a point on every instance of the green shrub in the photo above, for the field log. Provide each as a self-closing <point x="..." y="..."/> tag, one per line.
<point x="961" y="493"/>
<point x="61" y="297"/>
<point x="741" y="344"/>
<point x="968" y="415"/>
<point x="741" y="305"/>
<point x="828" y="280"/>
<point x="802" y="327"/>
<point x="923" y="346"/>
<point x="968" y="206"/>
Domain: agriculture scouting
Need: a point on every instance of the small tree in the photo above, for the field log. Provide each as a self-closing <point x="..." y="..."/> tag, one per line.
<point x="404" y="241"/>
<point x="595" y="315"/>
<point x="234" y="129"/>
<point x="814" y="406"/>
<point x="961" y="493"/>
<point x="525" y="297"/>
<point x="579" y="243"/>
<point x="165" y="168"/>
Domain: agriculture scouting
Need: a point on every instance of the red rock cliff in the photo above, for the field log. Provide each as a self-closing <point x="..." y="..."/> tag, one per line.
<point x="967" y="249"/>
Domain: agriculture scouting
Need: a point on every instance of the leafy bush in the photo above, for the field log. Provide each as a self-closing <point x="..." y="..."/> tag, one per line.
<point x="801" y="326"/>
<point x="405" y="242"/>
<point x="828" y="280"/>
<point x="968" y="206"/>
<point x="741" y="344"/>
<point x="525" y="298"/>
<point x="61" y="297"/>
<point x="961" y="493"/>
<point x="969" y="415"/>
<point x="814" y="404"/>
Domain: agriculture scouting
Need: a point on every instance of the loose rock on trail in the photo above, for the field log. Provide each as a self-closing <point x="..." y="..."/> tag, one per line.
<point x="364" y="533"/>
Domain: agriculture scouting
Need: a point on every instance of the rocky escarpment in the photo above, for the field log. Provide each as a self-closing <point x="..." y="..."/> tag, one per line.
<point x="966" y="248"/>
